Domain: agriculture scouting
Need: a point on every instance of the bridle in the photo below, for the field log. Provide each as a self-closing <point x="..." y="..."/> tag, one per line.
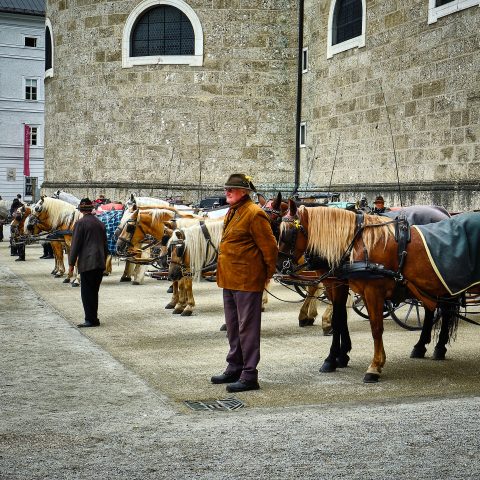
<point x="289" y="238"/>
<point x="129" y="228"/>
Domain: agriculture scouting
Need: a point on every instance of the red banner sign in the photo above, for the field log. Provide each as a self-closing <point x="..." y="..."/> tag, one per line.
<point x="26" y="151"/>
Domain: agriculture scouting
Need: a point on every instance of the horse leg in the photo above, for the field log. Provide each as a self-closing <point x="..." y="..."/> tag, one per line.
<point x="265" y="296"/>
<point x="189" y="297"/>
<point x="108" y="266"/>
<point x="448" y="312"/>
<point x="182" y="297"/>
<point x="374" y="301"/>
<point x="308" y="308"/>
<point x="420" y="348"/>
<point x="174" y="300"/>
<point x="127" y="272"/>
<point x="76" y="280"/>
<point x="327" y="320"/>
<point x="59" y="257"/>
<point x="337" y="356"/>
<point x="139" y="270"/>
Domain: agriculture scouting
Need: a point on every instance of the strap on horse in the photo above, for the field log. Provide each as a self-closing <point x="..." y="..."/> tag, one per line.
<point x="208" y="238"/>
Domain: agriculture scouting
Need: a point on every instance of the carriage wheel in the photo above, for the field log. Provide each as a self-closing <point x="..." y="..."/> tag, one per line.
<point x="410" y="314"/>
<point x="360" y="308"/>
<point x="472" y="307"/>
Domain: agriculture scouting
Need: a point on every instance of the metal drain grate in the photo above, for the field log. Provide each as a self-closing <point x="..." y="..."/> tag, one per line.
<point x="215" y="405"/>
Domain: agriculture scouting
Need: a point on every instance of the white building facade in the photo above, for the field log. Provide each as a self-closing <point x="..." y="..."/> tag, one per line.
<point x="22" y="71"/>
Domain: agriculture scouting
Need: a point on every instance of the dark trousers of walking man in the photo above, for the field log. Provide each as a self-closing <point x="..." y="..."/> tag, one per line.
<point x="89" y="287"/>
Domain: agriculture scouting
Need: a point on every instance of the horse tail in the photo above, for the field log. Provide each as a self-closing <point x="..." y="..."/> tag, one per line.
<point x="450" y="313"/>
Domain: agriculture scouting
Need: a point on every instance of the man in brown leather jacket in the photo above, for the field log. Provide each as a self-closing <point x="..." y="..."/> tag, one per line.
<point x="89" y="247"/>
<point x="246" y="260"/>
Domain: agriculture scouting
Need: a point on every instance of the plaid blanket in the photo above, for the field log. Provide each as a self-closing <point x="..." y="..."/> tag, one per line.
<point x="111" y="221"/>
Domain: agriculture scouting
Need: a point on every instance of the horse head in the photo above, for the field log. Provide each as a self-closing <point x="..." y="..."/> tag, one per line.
<point x="293" y="238"/>
<point x="39" y="205"/>
<point x="275" y="209"/>
<point x="178" y="264"/>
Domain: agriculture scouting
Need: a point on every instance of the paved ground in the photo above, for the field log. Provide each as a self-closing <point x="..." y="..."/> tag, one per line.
<point x="108" y="402"/>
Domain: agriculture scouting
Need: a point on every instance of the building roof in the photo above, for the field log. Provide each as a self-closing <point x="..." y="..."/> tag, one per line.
<point x="28" y="7"/>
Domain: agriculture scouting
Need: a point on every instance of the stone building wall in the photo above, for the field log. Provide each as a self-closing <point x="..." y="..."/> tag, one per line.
<point x="412" y="93"/>
<point x="404" y="110"/>
<point x="170" y="129"/>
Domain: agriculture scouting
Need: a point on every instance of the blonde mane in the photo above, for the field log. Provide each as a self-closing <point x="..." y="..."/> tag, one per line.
<point x="330" y="231"/>
<point x="157" y="215"/>
<point x="196" y="244"/>
<point x="58" y="212"/>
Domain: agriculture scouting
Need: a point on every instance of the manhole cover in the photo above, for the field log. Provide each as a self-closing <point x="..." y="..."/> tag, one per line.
<point x="215" y="405"/>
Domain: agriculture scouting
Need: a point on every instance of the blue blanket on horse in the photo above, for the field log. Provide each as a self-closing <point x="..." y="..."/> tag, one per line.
<point x="453" y="246"/>
<point x="420" y="214"/>
<point x="111" y="220"/>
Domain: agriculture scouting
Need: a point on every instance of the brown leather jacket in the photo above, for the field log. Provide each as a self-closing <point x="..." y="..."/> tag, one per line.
<point x="248" y="250"/>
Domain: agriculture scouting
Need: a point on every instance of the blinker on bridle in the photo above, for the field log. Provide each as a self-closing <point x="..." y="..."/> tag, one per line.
<point x="289" y="238"/>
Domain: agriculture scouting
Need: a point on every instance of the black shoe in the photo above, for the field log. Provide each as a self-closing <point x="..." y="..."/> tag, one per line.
<point x="49" y="256"/>
<point x="227" y="377"/>
<point x="243" y="386"/>
<point x="223" y="328"/>
<point x="43" y="256"/>
<point x="20" y="259"/>
<point x="170" y="289"/>
<point x="88" y="325"/>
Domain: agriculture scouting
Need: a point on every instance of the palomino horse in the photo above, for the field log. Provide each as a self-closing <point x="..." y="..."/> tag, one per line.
<point x="377" y="272"/>
<point x="56" y="216"/>
<point x="192" y="250"/>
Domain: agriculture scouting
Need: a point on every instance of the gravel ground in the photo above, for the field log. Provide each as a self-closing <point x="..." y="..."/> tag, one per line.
<point x="108" y="402"/>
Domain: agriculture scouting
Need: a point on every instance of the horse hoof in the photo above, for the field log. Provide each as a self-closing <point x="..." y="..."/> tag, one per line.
<point x="439" y="354"/>
<point x="186" y="313"/>
<point x="177" y="311"/>
<point x="75" y="285"/>
<point x="105" y="274"/>
<point x="53" y="272"/>
<point x="125" y="279"/>
<point x="67" y="280"/>
<point x="342" y="362"/>
<point x="263" y="309"/>
<point x="327" y="367"/>
<point x="328" y="332"/>
<point x="302" y="323"/>
<point x="418" y="352"/>
<point x="371" y="378"/>
<point x="310" y="322"/>
<point x="169" y="307"/>
<point x="170" y="289"/>
<point x="135" y="283"/>
<point x="58" y="275"/>
<point x="223" y="328"/>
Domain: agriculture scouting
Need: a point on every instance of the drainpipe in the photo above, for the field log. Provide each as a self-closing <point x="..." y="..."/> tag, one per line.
<point x="299" y="93"/>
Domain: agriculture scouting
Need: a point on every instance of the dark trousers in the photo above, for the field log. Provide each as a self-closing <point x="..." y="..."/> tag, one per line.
<point x="89" y="286"/>
<point x="21" y="251"/>
<point x="243" y="313"/>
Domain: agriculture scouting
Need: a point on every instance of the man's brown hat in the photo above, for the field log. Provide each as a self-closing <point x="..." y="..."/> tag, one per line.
<point x="86" y="205"/>
<point x="239" y="180"/>
<point x="379" y="199"/>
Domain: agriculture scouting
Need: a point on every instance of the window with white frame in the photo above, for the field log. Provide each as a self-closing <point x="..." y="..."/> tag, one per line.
<point x="48" y="49"/>
<point x="305" y="60"/>
<point x="346" y="26"/>
<point x="441" y="8"/>
<point x="30" y="42"/>
<point x="164" y="32"/>
<point x="31" y="89"/>
<point x="303" y="134"/>
<point x="33" y="135"/>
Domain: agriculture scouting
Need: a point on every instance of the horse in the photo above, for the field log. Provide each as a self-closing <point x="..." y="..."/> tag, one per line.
<point x="58" y="217"/>
<point x="331" y="235"/>
<point x="191" y="250"/>
<point x="275" y="209"/>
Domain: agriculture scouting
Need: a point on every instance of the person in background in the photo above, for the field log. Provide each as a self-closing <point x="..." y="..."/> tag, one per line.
<point x="3" y="216"/>
<point x="47" y="250"/>
<point x="89" y="248"/>
<point x="246" y="260"/>
<point x="15" y="204"/>
<point x="379" y="206"/>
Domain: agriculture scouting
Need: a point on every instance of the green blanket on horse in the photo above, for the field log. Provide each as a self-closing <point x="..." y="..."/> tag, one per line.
<point x="453" y="246"/>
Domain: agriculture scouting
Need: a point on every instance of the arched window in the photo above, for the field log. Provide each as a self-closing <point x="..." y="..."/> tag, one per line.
<point x="346" y="26"/>
<point x="162" y="32"/>
<point x="48" y="49"/>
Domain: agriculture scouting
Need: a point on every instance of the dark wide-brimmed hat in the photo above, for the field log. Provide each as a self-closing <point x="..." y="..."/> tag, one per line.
<point x="86" y="205"/>
<point x="379" y="199"/>
<point x="239" y="180"/>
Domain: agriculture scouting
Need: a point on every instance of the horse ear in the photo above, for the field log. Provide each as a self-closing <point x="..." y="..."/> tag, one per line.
<point x="132" y="197"/>
<point x="134" y="207"/>
<point x="278" y="201"/>
<point x="292" y="206"/>
<point x="261" y="199"/>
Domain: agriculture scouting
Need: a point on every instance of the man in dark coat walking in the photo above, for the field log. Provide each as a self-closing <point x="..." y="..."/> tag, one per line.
<point x="89" y="247"/>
